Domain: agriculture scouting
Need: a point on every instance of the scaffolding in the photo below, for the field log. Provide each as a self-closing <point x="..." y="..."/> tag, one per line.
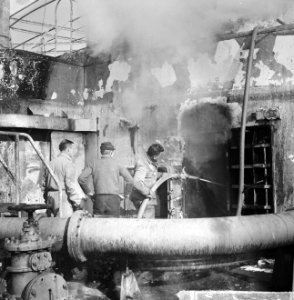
<point x="49" y="27"/>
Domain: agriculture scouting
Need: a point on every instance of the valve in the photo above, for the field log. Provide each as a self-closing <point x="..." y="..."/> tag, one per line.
<point x="30" y="254"/>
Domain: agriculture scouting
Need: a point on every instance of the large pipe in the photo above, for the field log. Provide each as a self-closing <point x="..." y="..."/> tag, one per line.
<point x="168" y="237"/>
<point x="4" y="23"/>
<point x="206" y="236"/>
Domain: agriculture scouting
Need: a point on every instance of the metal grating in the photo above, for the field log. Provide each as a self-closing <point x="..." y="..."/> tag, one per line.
<point x="50" y="27"/>
<point x="258" y="189"/>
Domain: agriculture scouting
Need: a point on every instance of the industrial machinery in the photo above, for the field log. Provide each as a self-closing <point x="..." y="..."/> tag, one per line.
<point x="30" y="272"/>
<point x="84" y="237"/>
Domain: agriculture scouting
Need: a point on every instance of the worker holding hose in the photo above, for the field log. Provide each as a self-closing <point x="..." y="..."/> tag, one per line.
<point x="145" y="176"/>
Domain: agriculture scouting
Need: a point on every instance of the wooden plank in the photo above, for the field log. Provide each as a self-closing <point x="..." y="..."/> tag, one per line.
<point x="234" y="295"/>
<point x="283" y="29"/>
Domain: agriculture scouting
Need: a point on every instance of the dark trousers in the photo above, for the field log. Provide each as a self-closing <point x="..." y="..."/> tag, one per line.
<point x="106" y="204"/>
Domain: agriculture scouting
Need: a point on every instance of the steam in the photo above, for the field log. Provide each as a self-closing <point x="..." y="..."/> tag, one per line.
<point x="184" y="26"/>
<point x="169" y="48"/>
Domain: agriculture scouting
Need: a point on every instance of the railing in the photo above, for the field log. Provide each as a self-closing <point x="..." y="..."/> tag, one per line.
<point x="16" y="178"/>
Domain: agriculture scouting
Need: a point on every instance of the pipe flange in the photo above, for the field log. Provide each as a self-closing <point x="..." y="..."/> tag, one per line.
<point x="17" y="245"/>
<point x="74" y="235"/>
<point x="46" y="286"/>
<point x="40" y="261"/>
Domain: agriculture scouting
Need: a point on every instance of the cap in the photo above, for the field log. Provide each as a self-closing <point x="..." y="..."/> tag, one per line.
<point x="106" y="146"/>
<point x="63" y="144"/>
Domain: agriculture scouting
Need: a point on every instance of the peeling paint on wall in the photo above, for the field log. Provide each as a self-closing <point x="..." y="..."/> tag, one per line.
<point x="284" y="53"/>
<point x="119" y="70"/>
<point x="221" y="69"/>
<point x="165" y="75"/>
<point x="265" y="76"/>
<point x="239" y="80"/>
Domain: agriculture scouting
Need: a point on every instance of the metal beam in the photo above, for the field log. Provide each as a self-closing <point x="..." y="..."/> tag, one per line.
<point x="47" y="25"/>
<point x="47" y="43"/>
<point x="24" y="8"/>
<point x="30" y="12"/>
<point x="38" y="35"/>
<point x="17" y="170"/>
<point x="48" y="123"/>
<point x="28" y="40"/>
<point x="281" y="29"/>
<point x="4" y="24"/>
<point x="37" y="32"/>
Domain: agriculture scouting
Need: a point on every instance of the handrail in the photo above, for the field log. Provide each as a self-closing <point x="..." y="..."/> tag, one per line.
<point x="7" y="169"/>
<point x="39" y="153"/>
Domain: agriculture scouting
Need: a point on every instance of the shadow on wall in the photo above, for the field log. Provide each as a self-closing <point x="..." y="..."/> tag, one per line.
<point x="206" y="127"/>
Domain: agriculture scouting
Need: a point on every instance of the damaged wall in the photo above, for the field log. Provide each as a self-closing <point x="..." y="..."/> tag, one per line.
<point x="137" y="99"/>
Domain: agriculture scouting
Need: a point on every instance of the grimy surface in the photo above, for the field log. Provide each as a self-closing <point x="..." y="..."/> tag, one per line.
<point x="204" y="236"/>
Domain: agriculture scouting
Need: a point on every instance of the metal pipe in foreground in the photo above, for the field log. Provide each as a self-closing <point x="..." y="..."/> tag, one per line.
<point x="205" y="236"/>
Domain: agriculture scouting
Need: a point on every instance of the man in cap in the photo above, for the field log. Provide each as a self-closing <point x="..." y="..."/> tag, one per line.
<point x="146" y="174"/>
<point x="64" y="170"/>
<point x="105" y="173"/>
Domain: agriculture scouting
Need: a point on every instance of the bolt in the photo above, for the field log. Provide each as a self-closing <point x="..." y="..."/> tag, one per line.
<point x="39" y="255"/>
<point x="45" y="254"/>
<point x="33" y="292"/>
<point x="64" y="287"/>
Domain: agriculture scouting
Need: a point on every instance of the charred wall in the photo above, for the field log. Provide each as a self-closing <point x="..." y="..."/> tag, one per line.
<point x="137" y="101"/>
<point x="205" y="156"/>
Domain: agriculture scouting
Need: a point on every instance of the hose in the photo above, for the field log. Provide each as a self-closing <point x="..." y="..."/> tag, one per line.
<point x="157" y="184"/>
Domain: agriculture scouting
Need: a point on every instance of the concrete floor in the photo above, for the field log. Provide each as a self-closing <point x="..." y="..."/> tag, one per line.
<point x="168" y="285"/>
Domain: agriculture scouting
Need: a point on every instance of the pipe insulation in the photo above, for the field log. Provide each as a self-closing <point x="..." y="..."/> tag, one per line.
<point x="169" y="237"/>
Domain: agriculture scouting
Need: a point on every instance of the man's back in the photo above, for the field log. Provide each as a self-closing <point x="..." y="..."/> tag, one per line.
<point x="64" y="169"/>
<point x="106" y="173"/>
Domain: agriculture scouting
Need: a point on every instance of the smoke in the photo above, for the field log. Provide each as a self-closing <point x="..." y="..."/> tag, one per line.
<point x="158" y="39"/>
<point x="196" y="125"/>
<point x="185" y="26"/>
